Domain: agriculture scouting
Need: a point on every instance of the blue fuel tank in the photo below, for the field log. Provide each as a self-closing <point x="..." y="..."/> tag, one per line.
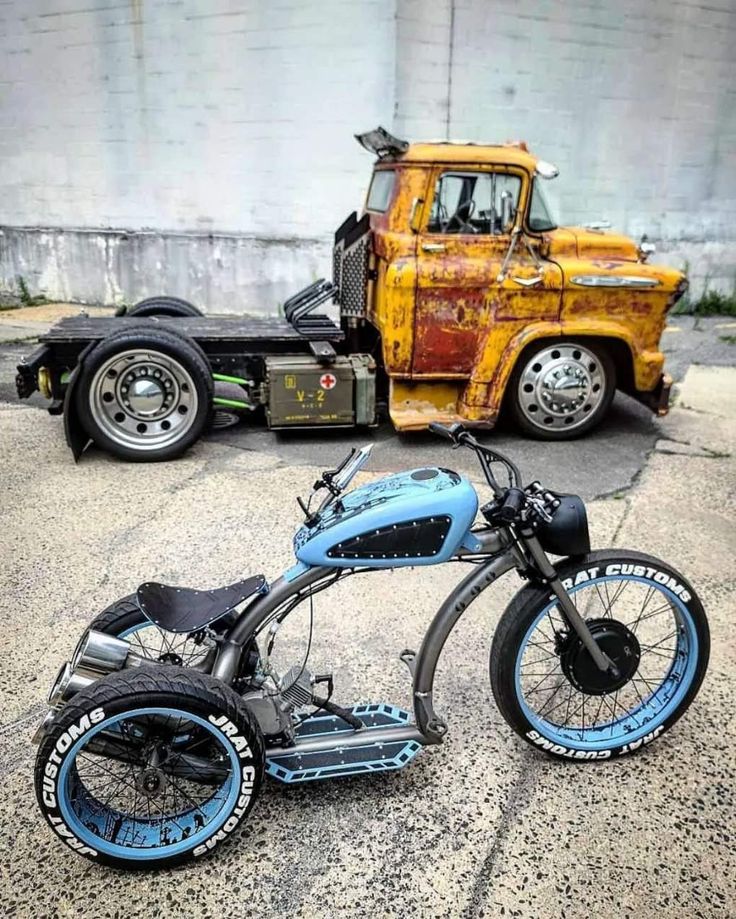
<point x="419" y="517"/>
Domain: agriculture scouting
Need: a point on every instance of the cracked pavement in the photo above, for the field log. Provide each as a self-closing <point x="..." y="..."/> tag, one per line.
<point x="480" y="826"/>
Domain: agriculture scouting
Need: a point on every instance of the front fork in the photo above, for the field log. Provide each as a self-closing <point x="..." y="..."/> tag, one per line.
<point x="548" y="572"/>
<point x="515" y="555"/>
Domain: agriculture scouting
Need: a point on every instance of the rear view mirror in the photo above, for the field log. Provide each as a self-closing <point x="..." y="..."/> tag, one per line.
<point x="546" y="170"/>
<point x="507" y="211"/>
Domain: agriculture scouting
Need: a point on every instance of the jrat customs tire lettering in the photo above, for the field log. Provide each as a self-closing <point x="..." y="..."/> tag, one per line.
<point x="48" y="796"/>
<point x="649" y="621"/>
<point x="247" y="780"/>
<point x="116" y="780"/>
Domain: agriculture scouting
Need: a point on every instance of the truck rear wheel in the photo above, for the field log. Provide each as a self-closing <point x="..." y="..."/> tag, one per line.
<point x="145" y="394"/>
<point x="163" y="306"/>
<point x="562" y="389"/>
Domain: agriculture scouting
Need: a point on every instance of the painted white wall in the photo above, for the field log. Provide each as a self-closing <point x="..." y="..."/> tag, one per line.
<point x="224" y="127"/>
<point x="190" y="115"/>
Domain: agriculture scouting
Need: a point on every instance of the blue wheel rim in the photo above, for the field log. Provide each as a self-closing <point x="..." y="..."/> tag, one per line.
<point x="656" y="706"/>
<point x="145" y="833"/>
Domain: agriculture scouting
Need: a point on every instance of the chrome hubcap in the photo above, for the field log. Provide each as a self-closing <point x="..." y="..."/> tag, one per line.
<point x="143" y="399"/>
<point x="561" y="386"/>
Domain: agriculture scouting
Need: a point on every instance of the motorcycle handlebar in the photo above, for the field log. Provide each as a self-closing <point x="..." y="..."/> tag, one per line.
<point x="355" y="461"/>
<point x="458" y="435"/>
<point x="450" y="433"/>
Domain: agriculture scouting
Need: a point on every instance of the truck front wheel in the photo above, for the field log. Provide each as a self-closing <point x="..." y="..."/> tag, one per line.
<point x="562" y="389"/>
<point x="145" y="394"/>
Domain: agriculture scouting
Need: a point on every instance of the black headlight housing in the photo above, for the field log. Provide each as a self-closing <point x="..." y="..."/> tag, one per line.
<point x="567" y="533"/>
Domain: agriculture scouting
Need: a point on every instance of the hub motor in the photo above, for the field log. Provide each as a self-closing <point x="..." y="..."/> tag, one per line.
<point x="617" y="642"/>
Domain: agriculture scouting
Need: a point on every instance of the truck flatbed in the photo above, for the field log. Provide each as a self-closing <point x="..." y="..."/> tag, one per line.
<point x="215" y="330"/>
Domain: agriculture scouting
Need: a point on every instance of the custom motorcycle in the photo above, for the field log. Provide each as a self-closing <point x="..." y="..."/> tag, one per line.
<point x="171" y="711"/>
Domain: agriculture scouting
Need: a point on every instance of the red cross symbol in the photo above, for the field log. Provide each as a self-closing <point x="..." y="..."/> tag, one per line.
<point x="327" y="381"/>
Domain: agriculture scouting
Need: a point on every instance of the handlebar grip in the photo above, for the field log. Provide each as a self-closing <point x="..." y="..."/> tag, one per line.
<point x="512" y="505"/>
<point x="451" y="432"/>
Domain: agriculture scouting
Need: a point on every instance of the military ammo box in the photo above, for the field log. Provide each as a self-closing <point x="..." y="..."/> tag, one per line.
<point x="302" y="391"/>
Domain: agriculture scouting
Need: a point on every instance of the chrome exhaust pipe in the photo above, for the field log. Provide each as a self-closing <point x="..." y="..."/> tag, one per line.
<point x="98" y="654"/>
<point x="67" y="684"/>
<point x="95" y="656"/>
<point x="43" y="727"/>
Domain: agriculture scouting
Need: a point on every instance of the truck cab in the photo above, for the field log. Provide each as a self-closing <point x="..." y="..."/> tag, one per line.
<point x="473" y="300"/>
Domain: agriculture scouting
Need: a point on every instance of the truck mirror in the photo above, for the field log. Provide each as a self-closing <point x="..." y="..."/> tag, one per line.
<point x="507" y="211"/>
<point x="546" y="170"/>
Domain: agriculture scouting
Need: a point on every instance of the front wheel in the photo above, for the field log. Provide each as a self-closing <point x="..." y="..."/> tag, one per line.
<point x="561" y="389"/>
<point x="648" y="620"/>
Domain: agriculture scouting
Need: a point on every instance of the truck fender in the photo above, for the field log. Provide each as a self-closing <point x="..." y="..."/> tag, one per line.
<point x="76" y="437"/>
<point x="504" y="343"/>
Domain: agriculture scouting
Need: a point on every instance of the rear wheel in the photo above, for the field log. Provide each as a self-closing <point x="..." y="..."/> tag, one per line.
<point x="562" y="389"/>
<point x="163" y="306"/>
<point x="145" y="393"/>
<point x="649" y="621"/>
<point x="124" y="619"/>
<point x="149" y="768"/>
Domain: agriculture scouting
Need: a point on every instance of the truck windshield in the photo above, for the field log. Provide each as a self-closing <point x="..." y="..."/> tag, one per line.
<point x="540" y="215"/>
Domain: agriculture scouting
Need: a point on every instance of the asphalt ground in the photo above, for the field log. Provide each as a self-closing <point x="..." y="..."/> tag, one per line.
<point x="482" y="825"/>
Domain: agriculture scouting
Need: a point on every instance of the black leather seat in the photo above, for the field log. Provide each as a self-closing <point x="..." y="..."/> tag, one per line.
<point x="181" y="609"/>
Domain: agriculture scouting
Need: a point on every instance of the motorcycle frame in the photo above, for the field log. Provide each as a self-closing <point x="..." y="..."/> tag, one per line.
<point x="497" y="551"/>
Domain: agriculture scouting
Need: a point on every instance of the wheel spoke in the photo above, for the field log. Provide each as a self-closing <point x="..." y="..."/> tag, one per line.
<point x="117" y="794"/>
<point x="639" y="609"/>
<point x="544" y="678"/>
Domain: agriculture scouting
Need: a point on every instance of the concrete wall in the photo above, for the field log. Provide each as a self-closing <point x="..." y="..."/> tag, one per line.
<point x="205" y="148"/>
<point x="222" y="129"/>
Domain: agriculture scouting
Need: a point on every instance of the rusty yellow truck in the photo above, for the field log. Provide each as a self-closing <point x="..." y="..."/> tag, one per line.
<point x="459" y="298"/>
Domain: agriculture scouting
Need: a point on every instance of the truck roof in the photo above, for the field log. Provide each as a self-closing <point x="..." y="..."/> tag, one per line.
<point x="392" y="149"/>
<point x="450" y="151"/>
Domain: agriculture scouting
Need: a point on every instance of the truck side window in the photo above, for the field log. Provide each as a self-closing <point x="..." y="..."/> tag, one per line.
<point x="540" y="217"/>
<point x="475" y="203"/>
<point x="379" y="194"/>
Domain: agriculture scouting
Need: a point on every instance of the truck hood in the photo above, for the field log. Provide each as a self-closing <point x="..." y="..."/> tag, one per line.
<point x="591" y="244"/>
<point x="592" y="258"/>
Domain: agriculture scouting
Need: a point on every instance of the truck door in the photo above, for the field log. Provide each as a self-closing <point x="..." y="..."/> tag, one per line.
<point x="460" y="253"/>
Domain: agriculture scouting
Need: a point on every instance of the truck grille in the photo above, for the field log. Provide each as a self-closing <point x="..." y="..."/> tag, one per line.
<point x="350" y="265"/>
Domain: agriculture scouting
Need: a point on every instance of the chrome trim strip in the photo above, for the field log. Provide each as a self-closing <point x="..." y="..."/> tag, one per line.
<point x="611" y="280"/>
